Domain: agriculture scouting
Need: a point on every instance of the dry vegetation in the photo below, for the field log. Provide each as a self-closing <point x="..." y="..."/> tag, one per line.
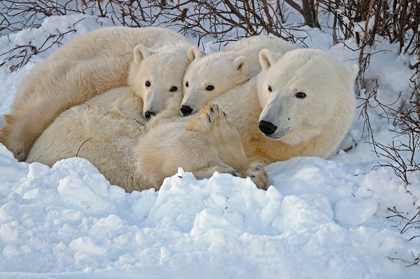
<point x="362" y="20"/>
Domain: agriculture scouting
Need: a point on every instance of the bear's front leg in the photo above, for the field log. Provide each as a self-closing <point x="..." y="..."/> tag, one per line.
<point x="257" y="173"/>
<point x="208" y="172"/>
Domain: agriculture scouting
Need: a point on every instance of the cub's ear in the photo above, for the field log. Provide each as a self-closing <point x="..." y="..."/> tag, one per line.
<point x="241" y="64"/>
<point x="268" y="58"/>
<point x="141" y="52"/>
<point x="350" y="73"/>
<point x="195" y="53"/>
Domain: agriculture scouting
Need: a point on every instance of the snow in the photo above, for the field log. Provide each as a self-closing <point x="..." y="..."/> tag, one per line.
<point x="354" y="211"/>
<point x="318" y="219"/>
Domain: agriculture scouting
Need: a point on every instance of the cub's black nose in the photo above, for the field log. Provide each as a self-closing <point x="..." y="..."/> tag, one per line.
<point x="267" y="127"/>
<point x="149" y="114"/>
<point x="186" y="110"/>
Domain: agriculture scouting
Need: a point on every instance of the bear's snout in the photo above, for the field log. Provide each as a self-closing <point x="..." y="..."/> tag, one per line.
<point x="267" y="128"/>
<point x="148" y="114"/>
<point x="186" y="110"/>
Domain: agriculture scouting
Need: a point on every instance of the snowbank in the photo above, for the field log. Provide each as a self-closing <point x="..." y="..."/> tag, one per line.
<point x="319" y="219"/>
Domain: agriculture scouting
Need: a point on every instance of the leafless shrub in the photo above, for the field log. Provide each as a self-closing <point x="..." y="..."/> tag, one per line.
<point x="402" y="152"/>
<point x="16" y="15"/>
<point x="220" y="19"/>
<point x="23" y="53"/>
<point x="413" y="223"/>
<point x="223" y="20"/>
<point x="410" y="224"/>
<point x="396" y="214"/>
<point x="309" y="11"/>
<point x="364" y="20"/>
<point x="398" y="22"/>
<point x="416" y="261"/>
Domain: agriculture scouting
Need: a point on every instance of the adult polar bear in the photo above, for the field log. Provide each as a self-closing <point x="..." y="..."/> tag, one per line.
<point x="304" y="106"/>
<point x="303" y="102"/>
<point x="90" y="65"/>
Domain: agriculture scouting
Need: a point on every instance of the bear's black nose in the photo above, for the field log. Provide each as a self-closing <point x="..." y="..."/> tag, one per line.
<point x="186" y="110"/>
<point x="267" y="127"/>
<point x="149" y="114"/>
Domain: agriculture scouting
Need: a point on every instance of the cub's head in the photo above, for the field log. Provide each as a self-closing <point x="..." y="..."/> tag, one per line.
<point x="299" y="93"/>
<point x="210" y="76"/>
<point x="156" y="75"/>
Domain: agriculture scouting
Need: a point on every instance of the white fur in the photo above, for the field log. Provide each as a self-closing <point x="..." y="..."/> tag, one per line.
<point x="104" y="130"/>
<point x="164" y="68"/>
<point x="90" y="65"/>
<point x="112" y="136"/>
<point x="313" y="126"/>
<point x="110" y="132"/>
<point x="226" y="69"/>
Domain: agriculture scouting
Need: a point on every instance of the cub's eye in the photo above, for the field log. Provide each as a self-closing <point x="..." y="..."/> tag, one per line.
<point x="147" y="83"/>
<point x="187" y="84"/>
<point x="173" y="89"/>
<point x="210" y="88"/>
<point x="270" y="89"/>
<point x="300" y="95"/>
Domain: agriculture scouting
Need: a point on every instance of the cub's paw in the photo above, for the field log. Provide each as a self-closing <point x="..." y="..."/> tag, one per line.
<point x="15" y="139"/>
<point x="209" y="171"/>
<point x="209" y="117"/>
<point x="257" y="174"/>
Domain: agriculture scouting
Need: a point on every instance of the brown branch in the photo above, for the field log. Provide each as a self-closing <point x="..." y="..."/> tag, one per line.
<point x="77" y="153"/>
<point x="294" y="5"/>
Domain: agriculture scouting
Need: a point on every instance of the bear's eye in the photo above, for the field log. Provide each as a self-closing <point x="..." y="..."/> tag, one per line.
<point x="300" y="95"/>
<point x="210" y="88"/>
<point x="147" y="83"/>
<point x="173" y="89"/>
<point x="187" y="84"/>
<point x="270" y="89"/>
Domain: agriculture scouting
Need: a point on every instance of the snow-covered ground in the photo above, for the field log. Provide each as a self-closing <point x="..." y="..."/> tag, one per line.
<point x="319" y="219"/>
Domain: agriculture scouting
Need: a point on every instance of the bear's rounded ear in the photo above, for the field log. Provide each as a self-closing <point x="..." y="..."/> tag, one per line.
<point x="141" y="52"/>
<point x="353" y="71"/>
<point x="241" y="64"/>
<point x="268" y="58"/>
<point x="349" y="74"/>
<point x="195" y="53"/>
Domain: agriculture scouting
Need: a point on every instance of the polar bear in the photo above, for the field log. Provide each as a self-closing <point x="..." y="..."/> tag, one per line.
<point x="301" y="104"/>
<point x="103" y="130"/>
<point x="111" y="133"/>
<point x="90" y="65"/>
<point x="202" y="144"/>
<point x="210" y="76"/>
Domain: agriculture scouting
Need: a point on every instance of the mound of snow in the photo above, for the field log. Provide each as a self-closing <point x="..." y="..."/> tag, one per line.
<point x="319" y="219"/>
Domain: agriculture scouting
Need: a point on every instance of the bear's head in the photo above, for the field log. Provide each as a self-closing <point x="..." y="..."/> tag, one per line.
<point x="299" y="93"/>
<point x="210" y="76"/>
<point x="157" y="75"/>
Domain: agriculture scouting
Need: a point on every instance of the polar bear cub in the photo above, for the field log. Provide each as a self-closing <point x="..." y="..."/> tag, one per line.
<point x="210" y="76"/>
<point x="91" y="65"/>
<point x="157" y="75"/>
<point x="103" y="130"/>
<point x="111" y="133"/>
<point x="202" y="144"/>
